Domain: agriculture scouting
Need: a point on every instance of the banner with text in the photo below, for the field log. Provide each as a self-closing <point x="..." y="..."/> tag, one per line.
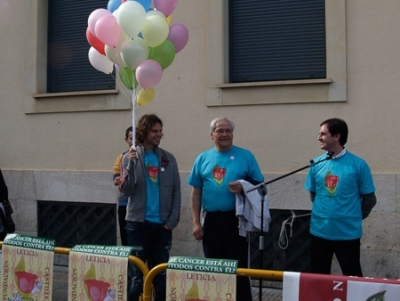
<point x="317" y="287"/>
<point x="27" y="268"/>
<point x="98" y="273"/>
<point x="196" y="279"/>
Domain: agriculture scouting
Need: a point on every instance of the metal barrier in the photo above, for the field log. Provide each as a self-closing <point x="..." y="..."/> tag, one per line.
<point x="150" y="274"/>
<point x="132" y="259"/>
<point x="147" y="286"/>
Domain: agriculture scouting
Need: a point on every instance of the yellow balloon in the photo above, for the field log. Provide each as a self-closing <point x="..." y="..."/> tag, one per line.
<point x="169" y="19"/>
<point x="145" y="96"/>
<point x="155" y="30"/>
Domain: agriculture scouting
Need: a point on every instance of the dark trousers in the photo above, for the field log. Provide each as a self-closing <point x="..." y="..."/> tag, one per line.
<point x="152" y="244"/>
<point x="221" y="240"/>
<point x="347" y="253"/>
<point x="122" y="224"/>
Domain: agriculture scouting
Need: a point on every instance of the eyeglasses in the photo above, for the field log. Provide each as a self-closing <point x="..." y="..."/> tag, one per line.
<point x="221" y="131"/>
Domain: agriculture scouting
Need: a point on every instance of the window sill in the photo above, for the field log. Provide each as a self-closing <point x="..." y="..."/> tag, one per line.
<point x="276" y="83"/>
<point x="277" y="92"/>
<point x="80" y="93"/>
<point x="82" y="101"/>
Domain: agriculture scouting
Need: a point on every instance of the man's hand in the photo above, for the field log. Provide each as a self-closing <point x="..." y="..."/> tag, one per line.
<point x="235" y="187"/>
<point x="132" y="154"/>
<point x="117" y="180"/>
<point x="198" y="231"/>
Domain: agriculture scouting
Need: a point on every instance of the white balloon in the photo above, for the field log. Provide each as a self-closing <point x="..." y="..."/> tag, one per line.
<point x="114" y="56"/>
<point x="133" y="52"/>
<point x="114" y="53"/>
<point x="100" y="62"/>
<point x="131" y="17"/>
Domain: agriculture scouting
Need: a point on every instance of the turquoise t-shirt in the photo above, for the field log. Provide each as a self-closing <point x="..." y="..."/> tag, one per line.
<point x="212" y="171"/>
<point x="153" y="188"/>
<point x="338" y="184"/>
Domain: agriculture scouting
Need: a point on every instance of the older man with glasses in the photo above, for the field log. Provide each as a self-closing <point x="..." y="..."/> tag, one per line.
<point x="214" y="180"/>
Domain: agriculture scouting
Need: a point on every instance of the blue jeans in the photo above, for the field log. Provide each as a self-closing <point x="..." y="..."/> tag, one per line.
<point x="152" y="244"/>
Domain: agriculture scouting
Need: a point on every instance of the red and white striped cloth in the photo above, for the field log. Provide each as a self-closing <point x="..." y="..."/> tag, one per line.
<point x="317" y="287"/>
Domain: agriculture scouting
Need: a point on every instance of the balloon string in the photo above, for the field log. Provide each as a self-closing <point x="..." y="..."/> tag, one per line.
<point x="127" y="92"/>
<point x="134" y="96"/>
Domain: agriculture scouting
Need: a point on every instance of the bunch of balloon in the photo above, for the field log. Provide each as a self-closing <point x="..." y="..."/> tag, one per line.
<point x="137" y="41"/>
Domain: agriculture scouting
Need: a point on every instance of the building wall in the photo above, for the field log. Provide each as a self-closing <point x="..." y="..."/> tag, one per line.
<point x="63" y="147"/>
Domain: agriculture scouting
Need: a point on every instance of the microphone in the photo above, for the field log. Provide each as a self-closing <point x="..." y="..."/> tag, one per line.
<point x="328" y="157"/>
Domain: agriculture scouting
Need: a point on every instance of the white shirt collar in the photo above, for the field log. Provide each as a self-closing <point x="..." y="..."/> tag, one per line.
<point x="341" y="154"/>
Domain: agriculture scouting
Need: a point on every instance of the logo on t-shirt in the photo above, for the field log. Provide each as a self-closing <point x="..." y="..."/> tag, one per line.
<point x="152" y="171"/>
<point x="331" y="182"/>
<point x="218" y="174"/>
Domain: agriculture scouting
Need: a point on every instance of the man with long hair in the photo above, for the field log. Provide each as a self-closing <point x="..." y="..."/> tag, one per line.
<point x="151" y="180"/>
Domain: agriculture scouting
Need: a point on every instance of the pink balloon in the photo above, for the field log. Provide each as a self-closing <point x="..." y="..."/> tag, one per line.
<point x="148" y="73"/>
<point x="165" y="6"/>
<point x="94" y="16"/>
<point x="108" y="31"/>
<point x="178" y="35"/>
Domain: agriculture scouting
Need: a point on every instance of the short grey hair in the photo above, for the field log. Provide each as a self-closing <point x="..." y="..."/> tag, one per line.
<point x="218" y="119"/>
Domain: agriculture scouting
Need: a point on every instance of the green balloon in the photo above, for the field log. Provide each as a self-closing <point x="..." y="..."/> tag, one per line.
<point x="128" y="78"/>
<point x="164" y="53"/>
